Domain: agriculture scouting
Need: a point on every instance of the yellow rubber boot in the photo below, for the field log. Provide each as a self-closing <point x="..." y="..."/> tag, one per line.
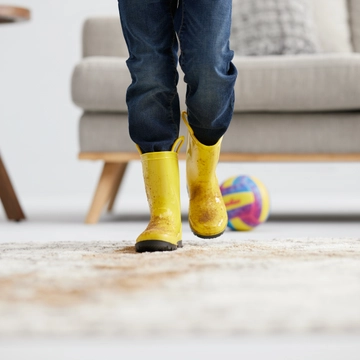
<point x="207" y="213"/>
<point x="162" y="185"/>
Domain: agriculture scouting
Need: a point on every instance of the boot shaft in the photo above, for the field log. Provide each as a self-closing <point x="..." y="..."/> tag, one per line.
<point x="162" y="185"/>
<point x="201" y="160"/>
<point x="161" y="179"/>
<point x="207" y="212"/>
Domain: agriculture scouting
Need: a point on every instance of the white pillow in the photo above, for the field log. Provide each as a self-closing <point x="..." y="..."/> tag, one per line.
<point x="332" y="23"/>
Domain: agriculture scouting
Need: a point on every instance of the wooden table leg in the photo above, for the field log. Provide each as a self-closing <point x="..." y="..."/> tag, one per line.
<point x="8" y="196"/>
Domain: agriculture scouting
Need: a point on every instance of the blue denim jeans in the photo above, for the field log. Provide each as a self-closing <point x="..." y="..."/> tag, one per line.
<point x="153" y="31"/>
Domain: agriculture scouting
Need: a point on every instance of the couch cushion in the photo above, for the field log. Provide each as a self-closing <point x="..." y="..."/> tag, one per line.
<point x="248" y="133"/>
<point x="297" y="26"/>
<point x="105" y="132"/>
<point x="298" y="133"/>
<point x="102" y="36"/>
<point x="354" y="9"/>
<point x="298" y="83"/>
<point x="333" y="25"/>
<point x="273" y="27"/>
<point x="100" y="83"/>
<point x="272" y="83"/>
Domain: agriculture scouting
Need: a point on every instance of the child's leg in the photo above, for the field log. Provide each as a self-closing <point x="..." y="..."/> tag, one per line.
<point x="154" y="114"/>
<point x="206" y="61"/>
<point x="210" y="76"/>
<point x="152" y="98"/>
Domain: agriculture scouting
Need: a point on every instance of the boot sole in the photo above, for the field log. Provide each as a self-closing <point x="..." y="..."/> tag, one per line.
<point x="206" y="236"/>
<point x="156" y="245"/>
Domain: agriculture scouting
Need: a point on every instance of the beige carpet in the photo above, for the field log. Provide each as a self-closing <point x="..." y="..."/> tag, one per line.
<point x="208" y="287"/>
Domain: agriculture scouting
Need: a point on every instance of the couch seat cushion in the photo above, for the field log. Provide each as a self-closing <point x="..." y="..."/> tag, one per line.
<point x="272" y="83"/>
<point x="305" y="133"/>
<point x="298" y="83"/>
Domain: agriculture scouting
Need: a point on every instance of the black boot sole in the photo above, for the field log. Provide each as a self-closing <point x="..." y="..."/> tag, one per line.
<point x="207" y="236"/>
<point x="156" y="245"/>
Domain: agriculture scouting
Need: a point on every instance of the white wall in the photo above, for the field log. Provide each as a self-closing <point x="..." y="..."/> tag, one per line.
<point x="38" y="133"/>
<point x="38" y="123"/>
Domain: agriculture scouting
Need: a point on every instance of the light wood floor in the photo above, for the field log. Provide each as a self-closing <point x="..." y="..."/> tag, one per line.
<point x="62" y="221"/>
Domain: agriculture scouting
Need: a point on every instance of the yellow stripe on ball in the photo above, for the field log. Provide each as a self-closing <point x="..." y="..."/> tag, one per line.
<point x="228" y="182"/>
<point x="237" y="224"/>
<point x="236" y="200"/>
<point x="265" y="208"/>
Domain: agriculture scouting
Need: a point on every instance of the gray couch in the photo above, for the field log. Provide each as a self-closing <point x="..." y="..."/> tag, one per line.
<point x="303" y="107"/>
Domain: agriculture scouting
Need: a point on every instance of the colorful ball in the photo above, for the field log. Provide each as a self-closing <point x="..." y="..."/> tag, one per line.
<point x="247" y="202"/>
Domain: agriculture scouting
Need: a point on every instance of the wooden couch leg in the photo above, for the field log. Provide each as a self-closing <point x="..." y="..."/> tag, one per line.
<point x="105" y="189"/>
<point x="119" y="177"/>
<point x="8" y="196"/>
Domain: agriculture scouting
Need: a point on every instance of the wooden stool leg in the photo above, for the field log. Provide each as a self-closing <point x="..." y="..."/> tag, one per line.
<point x="103" y="191"/>
<point x="120" y="175"/>
<point x="8" y="196"/>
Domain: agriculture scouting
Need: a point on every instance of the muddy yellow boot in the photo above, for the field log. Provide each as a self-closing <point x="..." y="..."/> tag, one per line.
<point x="162" y="185"/>
<point x="207" y="213"/>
